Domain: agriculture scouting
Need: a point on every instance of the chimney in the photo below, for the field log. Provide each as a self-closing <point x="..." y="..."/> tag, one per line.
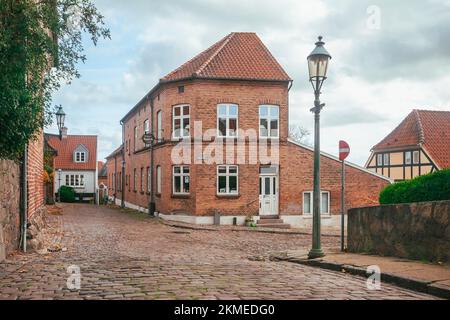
<point x="63" y="132"/>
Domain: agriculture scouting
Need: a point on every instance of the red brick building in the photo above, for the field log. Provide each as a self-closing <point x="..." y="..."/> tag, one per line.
<point x="213" y="120"/>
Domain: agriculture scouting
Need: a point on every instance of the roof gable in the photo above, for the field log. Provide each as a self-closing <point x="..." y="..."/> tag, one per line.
<point x="240" y="55"/>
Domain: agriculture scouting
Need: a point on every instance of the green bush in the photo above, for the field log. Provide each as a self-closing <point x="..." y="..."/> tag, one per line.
<point x="430" y="187"/>
<point x="67" y="194"/>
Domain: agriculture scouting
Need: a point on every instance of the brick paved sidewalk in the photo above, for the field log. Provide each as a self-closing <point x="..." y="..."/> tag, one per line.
<point x="415" y="275"/>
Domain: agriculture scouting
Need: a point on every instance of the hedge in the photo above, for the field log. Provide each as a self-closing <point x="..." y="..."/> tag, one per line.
<point x="430" y="187"/>
<point x="67" y="194"/>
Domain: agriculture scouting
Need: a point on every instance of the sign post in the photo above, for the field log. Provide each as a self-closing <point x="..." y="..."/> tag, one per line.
<point x="344" y="151"/>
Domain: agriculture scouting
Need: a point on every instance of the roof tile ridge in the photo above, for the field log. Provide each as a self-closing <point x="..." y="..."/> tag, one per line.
<point x="421" y="131"/>
<point x="215" y="53"/>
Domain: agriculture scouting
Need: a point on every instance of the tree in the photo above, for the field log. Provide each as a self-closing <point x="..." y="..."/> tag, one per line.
<point x="40" y="46"/>
<point x="299" y="134"/>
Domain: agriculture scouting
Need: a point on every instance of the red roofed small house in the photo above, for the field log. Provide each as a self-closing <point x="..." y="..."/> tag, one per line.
<point x="419" y="145"/>
<point x="77" y="159"/>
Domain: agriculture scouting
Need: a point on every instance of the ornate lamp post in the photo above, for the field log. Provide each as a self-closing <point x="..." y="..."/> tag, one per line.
<point x="318" y="65"/>
<point x="60" y="117"/>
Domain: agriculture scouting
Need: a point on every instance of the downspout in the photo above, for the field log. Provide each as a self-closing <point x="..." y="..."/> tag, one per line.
<point x="24" y="200"/>
<point x="122" y="203"/>
<point x="152" y="205"/>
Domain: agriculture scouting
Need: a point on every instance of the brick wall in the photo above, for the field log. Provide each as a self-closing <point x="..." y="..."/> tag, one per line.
<point x="296" y="177"/>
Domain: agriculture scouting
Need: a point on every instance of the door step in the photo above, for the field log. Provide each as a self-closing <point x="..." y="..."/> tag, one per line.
<point x="272" y="222"/>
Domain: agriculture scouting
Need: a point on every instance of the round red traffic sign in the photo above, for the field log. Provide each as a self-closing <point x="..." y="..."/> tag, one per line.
<point x="344" y="150"/>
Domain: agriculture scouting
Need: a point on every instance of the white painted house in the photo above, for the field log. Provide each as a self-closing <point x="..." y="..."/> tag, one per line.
<point x="75" y="163"/>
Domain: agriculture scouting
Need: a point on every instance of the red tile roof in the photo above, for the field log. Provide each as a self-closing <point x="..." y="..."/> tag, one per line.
<point x="428" y="129"/>
<point x="240" y="55"/>
<point x="65" y="148"/>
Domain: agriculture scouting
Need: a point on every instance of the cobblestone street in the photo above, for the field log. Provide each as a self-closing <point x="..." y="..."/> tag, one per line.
<point x="124" y="255"/>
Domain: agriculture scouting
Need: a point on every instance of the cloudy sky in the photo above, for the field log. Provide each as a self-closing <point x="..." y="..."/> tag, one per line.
<point x="389" y="57"/>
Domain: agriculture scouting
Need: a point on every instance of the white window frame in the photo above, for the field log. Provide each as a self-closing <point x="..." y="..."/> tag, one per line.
<point x="410" y="157"/>
<point x="79" y="155"/>
<point x="269" y="119"/>
<point x="386" y="156"/>
<point x="414" y="157"/>
<point x="135" y="137"/>
<point x="158" y="179"/>
<point x="227" y="176"/>
<point x="328" y="213"/>
<point x="142" y="179"/>
<point x="75" y="180"/>
<point x="182" y="175"/>
<point x="159" y="124"/>
<point x="181" y="117"/>
<point x="147" y="126"/>
<point x="227" y="118"/>
<point x="380" y="159"/>
<point x="149" y="180"/>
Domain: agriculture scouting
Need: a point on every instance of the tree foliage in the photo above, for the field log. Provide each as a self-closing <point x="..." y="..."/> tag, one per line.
<point x="299" y="134"/>
<point x="40" y="46"/>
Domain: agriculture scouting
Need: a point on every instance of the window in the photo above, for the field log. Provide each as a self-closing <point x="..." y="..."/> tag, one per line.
<point x="149" y="180"/>
<point x="135" y="138"/>
<point x="227" y="180"/>
<point x="158" y="179"/>
<point x="135" y="181"/>
<point x="146" y="126"/>
<point x="181" y="180"/>
<point x="379" y="160"/>
<point x="142" y="180"/>
<point x="269" y="121"/>
<point x="308" y="202"/>
<point x="159" y="124"/>
<point x="75" y="180"/>
<point x="227" y="120"/>
<point x="114" y="181"/>
<point x="386" y="159"/>
<point x="80" y="156"/>
<point x="181" y="89"/>
<point x="408" y="157"/>
<point x="181" y="122"/>
<point x="416" y="157"/>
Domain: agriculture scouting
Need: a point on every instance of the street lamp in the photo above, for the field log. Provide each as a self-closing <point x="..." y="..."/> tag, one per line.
<point x="318" y="66"/>
<point x="60" y="117"/>
<point x="59" y="185"/>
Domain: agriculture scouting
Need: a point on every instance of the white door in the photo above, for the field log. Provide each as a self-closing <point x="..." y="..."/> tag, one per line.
<point x="268" y="195"/>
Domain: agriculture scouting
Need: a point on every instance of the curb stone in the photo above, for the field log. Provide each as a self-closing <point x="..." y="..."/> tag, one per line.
<point x="417" y="285"/>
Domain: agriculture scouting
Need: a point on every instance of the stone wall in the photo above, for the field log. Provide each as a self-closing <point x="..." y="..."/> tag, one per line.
<point x="9" y="207"/>
<point x="418" y="231"/>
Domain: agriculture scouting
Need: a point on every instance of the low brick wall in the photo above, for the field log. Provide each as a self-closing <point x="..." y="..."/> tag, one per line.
<point x="9" y="207"/>
<point x="418" y="231"/>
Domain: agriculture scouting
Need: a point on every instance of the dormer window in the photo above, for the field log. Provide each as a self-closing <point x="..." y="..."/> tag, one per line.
<point x="80" y="157"/>
<point x="80" y="154"/>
